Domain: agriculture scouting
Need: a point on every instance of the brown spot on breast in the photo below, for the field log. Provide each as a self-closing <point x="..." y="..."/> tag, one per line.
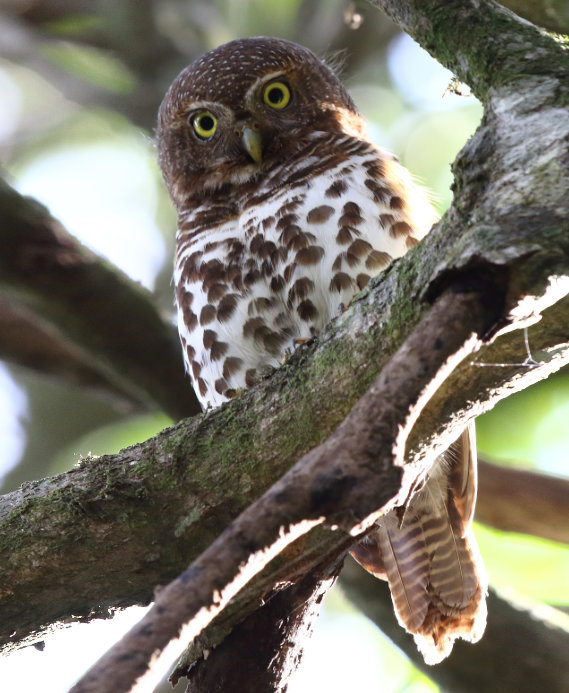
<point x="300" y="289"/>
<point x="306" y="310"/>
<point x="344" y="235"/>
<point x="251" y="325"/>
<point x="396" y="202"/>
<point x="282" y="320"/>
<point x="212" y="245"/>
<point x="380" y="194"/>
<point x="191" y="352"/>
<point x="386" y="220"/>
<point x="267" y="268"/>
<point x="256" y="243"/>
<point x="231" y="365"/>
<point x="410" y="242"/>
<point x="216" y="292"/>
<point x="257" y="329"/>
<point x="218" y="349"/>
<point x="289" y="271"/>
<point x="362" y="279"/>
<point x="319" y="215"/>
<point x="400" y="228"/>
<point x="289" y="233"/>
<point x="377" y="259"/>
<point x="375" y="169"/>
<point x="309" y="256"/>
<point x="207" y="314"/>
<point x="352" y="259"/>
<point x="351" y="215"/>
<point x="338" y="262"/>
<point x="259" y="305"/>
<point x="190" y="320"/>
<point x="273" y="341"/>
<point x="227" y="307"/>
<point x="341" y="281"/>
<point x="202" y="386"/>
<point x="251" y="277"/>
<point x="211" y="273"/>
<point x="221" y="385"/>
<point x="209" y="337"/>
<point x="359" y="247"/>
<point x="277" y="283"/>
<point x="268" y="222"/>
<point x="184" y="298"/>
<point x="336" y="189"/>
<point x="286" y="219"/>
<point x="196" y="369"/>
<point x="290" y="205"/>
<point x="192" y="266"/>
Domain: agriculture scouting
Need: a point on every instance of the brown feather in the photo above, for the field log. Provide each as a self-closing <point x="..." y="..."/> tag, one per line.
<point x="431" y="560"/>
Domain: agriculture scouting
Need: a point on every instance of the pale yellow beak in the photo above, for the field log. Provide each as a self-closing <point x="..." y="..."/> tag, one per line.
<point x="252" y="144"/>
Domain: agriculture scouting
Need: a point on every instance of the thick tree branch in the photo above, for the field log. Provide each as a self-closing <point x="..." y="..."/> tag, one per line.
<point x="340" y="486"/>
<point x="264" y="649"/>
<point x="515" y="500"/>
<point x="207" y="470"/>
<point x="88" y="308"/>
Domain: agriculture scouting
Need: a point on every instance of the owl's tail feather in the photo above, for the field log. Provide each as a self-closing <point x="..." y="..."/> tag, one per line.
<point x="431" y="561"/>
<point x="437" y="580"/>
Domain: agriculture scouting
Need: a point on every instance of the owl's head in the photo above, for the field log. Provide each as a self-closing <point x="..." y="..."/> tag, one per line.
<point x="243" y="108"/>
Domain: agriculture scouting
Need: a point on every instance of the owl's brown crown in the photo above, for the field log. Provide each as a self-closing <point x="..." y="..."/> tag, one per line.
<point x="246" y="134"/>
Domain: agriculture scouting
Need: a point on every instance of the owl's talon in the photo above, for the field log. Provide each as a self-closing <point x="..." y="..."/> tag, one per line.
<point x="342" y="308"/>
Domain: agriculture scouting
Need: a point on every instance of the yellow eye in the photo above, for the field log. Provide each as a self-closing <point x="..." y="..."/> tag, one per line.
<point x="276" y="95"/>
<point x="204" y="124"/>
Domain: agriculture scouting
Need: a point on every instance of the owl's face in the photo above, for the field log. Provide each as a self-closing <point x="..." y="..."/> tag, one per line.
<point x="243" y="108"/>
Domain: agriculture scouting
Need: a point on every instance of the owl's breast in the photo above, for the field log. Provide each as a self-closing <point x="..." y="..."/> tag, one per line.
<point x="272" y="276"/>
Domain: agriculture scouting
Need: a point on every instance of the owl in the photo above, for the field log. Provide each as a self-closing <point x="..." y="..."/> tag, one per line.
<point x="286" y="209"/>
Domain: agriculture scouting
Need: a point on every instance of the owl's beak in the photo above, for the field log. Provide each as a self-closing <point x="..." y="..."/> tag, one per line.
<point x="253" y="144"/>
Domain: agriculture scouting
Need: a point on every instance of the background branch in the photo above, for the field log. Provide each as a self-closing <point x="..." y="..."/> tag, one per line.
<point x="45" y="271"/>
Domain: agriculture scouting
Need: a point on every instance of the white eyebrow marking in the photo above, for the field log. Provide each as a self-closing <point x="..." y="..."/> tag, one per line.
<point x="262" y="80"/>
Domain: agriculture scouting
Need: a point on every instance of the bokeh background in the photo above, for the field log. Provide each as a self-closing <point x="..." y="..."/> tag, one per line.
<point x="80" y="83"/>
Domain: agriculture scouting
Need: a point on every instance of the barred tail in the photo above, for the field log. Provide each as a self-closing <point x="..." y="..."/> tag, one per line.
<point x="431" y="560"/>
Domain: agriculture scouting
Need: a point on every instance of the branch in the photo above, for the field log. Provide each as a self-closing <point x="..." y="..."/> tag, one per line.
<point x="481" y="63"/>
<point x="264" y="649"/>
<point x="515" y="500"/>
<point x="523" y="649"/>
<point x="90" y="312"/>
<point x="209" y="469"/>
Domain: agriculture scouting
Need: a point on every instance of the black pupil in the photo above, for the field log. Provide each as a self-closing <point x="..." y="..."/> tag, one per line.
<point x="206" y="123"/>
<point x="276" y="95"/>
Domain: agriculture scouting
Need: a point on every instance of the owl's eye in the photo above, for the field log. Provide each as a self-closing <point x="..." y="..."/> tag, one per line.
<point x="204" y="124"/>
<point x="276" y="95"/>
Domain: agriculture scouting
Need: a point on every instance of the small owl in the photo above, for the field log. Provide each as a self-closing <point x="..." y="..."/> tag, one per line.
<point x="285" y="211"/>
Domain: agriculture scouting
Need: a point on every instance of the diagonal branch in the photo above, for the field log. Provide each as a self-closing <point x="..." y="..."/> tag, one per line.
<point x="342" y="485"/>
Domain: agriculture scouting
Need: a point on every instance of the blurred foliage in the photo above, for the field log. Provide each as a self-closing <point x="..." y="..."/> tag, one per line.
<point x="534" y="567"/>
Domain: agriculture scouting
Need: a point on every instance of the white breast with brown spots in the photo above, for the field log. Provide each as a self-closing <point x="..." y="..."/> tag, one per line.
<point x="297" y="249"/>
